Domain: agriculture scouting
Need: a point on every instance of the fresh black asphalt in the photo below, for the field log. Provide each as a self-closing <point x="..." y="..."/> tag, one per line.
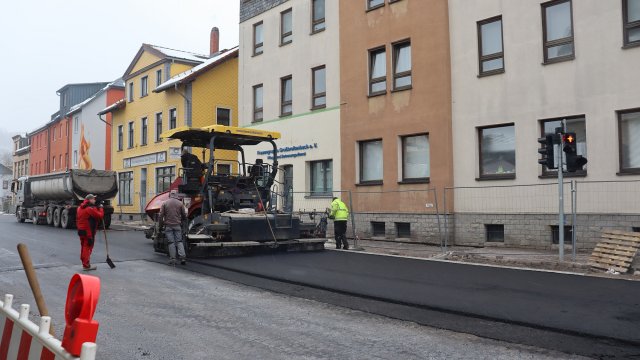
<point x="581" y="305"/>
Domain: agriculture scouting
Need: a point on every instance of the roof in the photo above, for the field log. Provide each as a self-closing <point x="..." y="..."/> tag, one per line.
<point x="226" y="137"/>
<point x="194" y="72"/>
<point x="23" y="150"/>
<point x="166" y="53"/>
<point x="5" y="170"/>
<point x="79" y="84"/>
<point x="115" y="106"/>
<point x="179" y="54"/>
<point x="118" y="83"/>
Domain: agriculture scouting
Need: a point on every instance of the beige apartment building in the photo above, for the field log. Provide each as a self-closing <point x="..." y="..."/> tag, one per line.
<point x="395" y="115"/>
<point x="519" y="68"/>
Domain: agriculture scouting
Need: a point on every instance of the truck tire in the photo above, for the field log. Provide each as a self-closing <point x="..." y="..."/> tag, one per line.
<point x="56" y="217"/>
<point x="66" y="219"/>
<point x="19" y="217"/>
<point x="50" y="210"/>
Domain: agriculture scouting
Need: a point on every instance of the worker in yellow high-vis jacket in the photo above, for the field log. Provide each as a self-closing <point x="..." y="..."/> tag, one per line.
<point x="339" y="214"/>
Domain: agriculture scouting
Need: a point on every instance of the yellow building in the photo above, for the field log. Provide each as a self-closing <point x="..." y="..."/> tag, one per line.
<point x="146" y="163"/>
<point x="212" y="90"/>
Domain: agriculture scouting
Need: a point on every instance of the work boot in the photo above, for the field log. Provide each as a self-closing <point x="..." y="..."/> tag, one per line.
<point x="183" y="261"/>
<point x="172" y="262"/>
<point x="89" y="268"/>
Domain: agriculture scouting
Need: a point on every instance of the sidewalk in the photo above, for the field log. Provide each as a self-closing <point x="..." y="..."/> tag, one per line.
<point x="500" y="256"/>
<point x="136" y="225"/>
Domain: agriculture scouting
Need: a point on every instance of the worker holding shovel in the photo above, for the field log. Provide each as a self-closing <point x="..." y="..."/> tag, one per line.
<point x="88" y="218"/>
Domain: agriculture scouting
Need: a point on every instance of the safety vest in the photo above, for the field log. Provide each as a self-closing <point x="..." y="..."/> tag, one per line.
<point x="339" y="210"/>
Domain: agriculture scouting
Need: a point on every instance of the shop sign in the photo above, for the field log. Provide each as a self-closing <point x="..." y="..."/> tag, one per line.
<point x="159" y="157"/>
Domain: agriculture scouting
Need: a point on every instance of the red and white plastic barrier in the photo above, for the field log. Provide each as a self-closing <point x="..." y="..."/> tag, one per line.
<point x="21" y="339"/>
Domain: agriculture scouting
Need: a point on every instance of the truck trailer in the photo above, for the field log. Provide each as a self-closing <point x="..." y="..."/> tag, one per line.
<point x="53" y="199"/>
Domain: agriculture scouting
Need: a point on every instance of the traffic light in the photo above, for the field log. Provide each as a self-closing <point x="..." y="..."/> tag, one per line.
<point x="575" y="162"/>
<point x="547" y="152"/>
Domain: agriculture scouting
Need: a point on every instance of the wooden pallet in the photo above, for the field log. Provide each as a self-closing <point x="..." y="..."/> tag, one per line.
<point x="616" y="251"/>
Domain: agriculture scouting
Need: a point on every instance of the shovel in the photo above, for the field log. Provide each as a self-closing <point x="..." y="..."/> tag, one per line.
<point x="106" y="242"/>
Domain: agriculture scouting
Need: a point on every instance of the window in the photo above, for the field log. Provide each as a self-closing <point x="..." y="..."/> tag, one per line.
<point x="173" y="119"/>
<point x="144" y="86"/>
<point x="257" y="103"/>
<point x="164" y="178"/>
<point x="258" y="38"/>
<point x="317" y="16"/>
<point x="53" y="163"/>
<point x="415" y="158"/>
<point x="497" y="152"/>
<point x="125" y="180"/>
<point x="158" y="127"/>
<point x="76" y="124"/>
<point x="120" y="137"/>
<point x="371" y="161"/>
<point x="223" y="169"/>
<point x="321" y="177"/>
<point x="629" y="133"/>
<point x="377" y="228"/>
<point x="555" y="234"/>
<point x="286" y="96"/>
<point x="574" y="124"/>
<point x="286" y="27"/>
<point x="494" y="233"/>
<point x="319" y="87"/>
<point x="130" y="92"/>
<point x="223" y="116"/>
<point x="403" y="230"/>
<point x="377" y="72"/>
<point x="631" y="20"/>
<point x="557" y="27"/>
<point x="130" y="134"/>
<point x="490" y="46"/>
<point x="75" y="157"/>
<point x="372" y="4"/>
<point x="158" y="77"/>
<point x="144" y="131"/>
<point x="60" y="162"/>
<point x="402" y="65"/>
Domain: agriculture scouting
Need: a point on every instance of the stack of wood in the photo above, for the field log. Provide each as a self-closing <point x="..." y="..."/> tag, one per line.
<point x="616" y="251"/>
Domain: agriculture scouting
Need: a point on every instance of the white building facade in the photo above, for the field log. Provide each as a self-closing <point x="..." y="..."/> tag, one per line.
<point x="518" y="69"/>
<point x="90" y="132"/>
<point x="289" y="81"/>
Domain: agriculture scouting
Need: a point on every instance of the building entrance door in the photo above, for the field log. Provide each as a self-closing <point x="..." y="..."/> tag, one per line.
<point x="143" y="189"/>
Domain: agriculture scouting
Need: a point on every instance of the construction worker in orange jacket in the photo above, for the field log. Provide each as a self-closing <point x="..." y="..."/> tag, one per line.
<point x="87" y="219"/>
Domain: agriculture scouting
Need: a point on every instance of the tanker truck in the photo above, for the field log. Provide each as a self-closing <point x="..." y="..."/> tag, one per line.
<point x="53" y="199"/>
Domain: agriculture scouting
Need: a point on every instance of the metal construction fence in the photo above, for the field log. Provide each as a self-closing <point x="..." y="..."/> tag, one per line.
<point x="461" y="215"/>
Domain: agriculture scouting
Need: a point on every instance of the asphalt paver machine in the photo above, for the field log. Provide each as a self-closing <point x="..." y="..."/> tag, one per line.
<point x="234" y="211"/>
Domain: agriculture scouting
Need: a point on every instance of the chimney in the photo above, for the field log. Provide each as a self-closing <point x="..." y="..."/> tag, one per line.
<point x="214" y="45"/>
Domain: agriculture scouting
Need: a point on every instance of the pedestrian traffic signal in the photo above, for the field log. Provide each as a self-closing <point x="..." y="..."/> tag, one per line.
<point x="575" y="162"/>
<point x="547" y="152"/>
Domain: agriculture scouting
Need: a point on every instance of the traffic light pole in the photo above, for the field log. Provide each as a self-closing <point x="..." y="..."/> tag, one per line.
<point x="561" y="197"/>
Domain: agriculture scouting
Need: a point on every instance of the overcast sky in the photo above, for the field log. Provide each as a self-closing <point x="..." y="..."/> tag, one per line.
<point x="45" y="44"/>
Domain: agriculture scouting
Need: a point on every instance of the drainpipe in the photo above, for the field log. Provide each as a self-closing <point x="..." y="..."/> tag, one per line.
<point x="175" y="87"/>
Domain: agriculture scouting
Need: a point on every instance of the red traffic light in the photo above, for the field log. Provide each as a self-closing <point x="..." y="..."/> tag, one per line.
<point x="569" y="138"/>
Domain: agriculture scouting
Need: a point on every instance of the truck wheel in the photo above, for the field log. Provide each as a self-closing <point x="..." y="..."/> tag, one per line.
<point x="50" y="210"/>
<point x="56" y="218"/>
<point x="19" y="215"/>
<point x="66" y="221"/>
